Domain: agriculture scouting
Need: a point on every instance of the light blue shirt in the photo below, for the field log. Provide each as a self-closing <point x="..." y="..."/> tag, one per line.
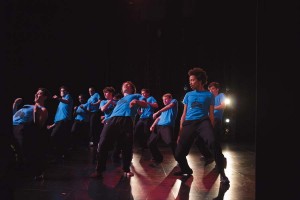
<point x="64" y="110"/>
<point x="168" y="117"/>
<point x="198" y="103"/>
<point x="123" y="109"/>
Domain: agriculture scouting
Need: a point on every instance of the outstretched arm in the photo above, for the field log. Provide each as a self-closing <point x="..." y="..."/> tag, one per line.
<point x="167" y="107"/>
<point x="154" y="124"/>
<point x="61" y="99"/>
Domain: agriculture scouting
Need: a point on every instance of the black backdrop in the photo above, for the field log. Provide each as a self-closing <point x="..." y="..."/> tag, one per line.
<point x="250" y="47"/>
<point x="152" y="43"/>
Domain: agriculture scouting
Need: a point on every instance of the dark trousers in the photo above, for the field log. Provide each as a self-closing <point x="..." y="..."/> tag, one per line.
<point x="80" y="133"/>
<point x="166" y="134"/>
<point x="95" y="124"/>
<point x="116" y="129"/>
<point x="197" y="128"/>
<point x="30" y="143"/>
<point x="61" y="138"/>
<point x="142" y="131"/>
<point x="218" y="134"/>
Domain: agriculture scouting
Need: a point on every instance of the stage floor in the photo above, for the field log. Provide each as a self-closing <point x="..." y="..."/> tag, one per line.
<point x="70" y="179"/>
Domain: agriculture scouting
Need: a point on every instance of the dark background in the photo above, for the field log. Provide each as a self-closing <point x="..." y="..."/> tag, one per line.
<point x="151" y="42"/>
<point x="250" y="47"/>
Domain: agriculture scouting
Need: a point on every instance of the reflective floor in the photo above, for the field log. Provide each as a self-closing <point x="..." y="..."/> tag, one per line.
<point x="71" y="179"/>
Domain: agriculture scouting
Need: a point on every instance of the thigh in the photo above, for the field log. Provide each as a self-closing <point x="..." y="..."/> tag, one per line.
<point x="167" y="134"/>
<point x="108" y="136"/>
<point x="206" y="132"/>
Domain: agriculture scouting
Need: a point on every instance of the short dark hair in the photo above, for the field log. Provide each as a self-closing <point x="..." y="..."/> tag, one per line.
<point x="45" y="92"/>
<point x="214" y="84"/>
<point x="199" y="73"/>
<point x="109" y="89"/>
<point x="64" y="87"/>
<point x="169" y="95"/>
<point x="146" y="90"/>
<point x="132" y="86"/>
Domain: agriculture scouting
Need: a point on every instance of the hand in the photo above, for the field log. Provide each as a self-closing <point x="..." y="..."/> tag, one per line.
<point x="155" y="115"/>
<point x="50" y="126"/>
<point x="180" y="132"/>
<point x="178" y="139"/>
<point x="152" y="128"/>
<point x="132" y="103"/>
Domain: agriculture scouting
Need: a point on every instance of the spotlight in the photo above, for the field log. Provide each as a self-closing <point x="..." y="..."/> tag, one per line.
<point x="227" y="120"/>
<point x="227" y="101"/>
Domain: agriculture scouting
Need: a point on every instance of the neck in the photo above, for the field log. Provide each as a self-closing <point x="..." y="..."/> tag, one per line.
<point x="39" y="103"/>
<point x="200" y="88"/>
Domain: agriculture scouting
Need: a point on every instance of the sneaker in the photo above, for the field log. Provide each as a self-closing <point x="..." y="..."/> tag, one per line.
<point x="183" y="173"/>
<point x="128" y="174"/>
<point x="224" y="179"/>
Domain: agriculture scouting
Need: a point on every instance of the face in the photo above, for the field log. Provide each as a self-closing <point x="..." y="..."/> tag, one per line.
<point x="166" y="100"/>
<point x="39" y="96"/>
<point x="126" y="88"/>
<point x="145" y="94"/>
<point x="213" y="90"/>
<point x="108" y="95"/>
<point x="91" y="91"/>
<point x="63" y="92"/>
<point x="80" y="99"/>
<point x="194" y="82"/>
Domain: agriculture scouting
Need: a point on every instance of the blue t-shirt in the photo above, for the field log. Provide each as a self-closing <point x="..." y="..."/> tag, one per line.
<point x="64" y="110"/>
<point x="23" y="115"/>
<point x="218" y="100"/>
<point x="110" y="108"/>
<point x="81" y="114"/>
<point x="93" y="99"/>
<point x="148" y="111"/>
<point x="122" y="108"/>
<point x="168" y="117"/>
<point x="198" y="103"/>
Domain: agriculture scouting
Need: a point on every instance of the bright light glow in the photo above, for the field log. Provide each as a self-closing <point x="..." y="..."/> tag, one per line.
<point x="227" y="120"/>
<point x="227" y="101"/>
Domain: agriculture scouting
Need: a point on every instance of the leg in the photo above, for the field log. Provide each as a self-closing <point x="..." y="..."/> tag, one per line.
<point x="183" y="147"/>
<point x="152" y="143"/>
<point x="207" y="133"/>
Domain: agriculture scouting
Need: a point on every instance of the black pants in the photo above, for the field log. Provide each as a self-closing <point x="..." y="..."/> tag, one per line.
<point x="60" y="139"/>
<point x="166" y="133"/>
<point x="218" y="135"/>
<point x="79" y="133"/>
<point x="197" y="128"/>
<point x="30" y="142"/>
<point x="117" y="129"/>
<point x="142" y="131"/>
<point x="95" y="124"/>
